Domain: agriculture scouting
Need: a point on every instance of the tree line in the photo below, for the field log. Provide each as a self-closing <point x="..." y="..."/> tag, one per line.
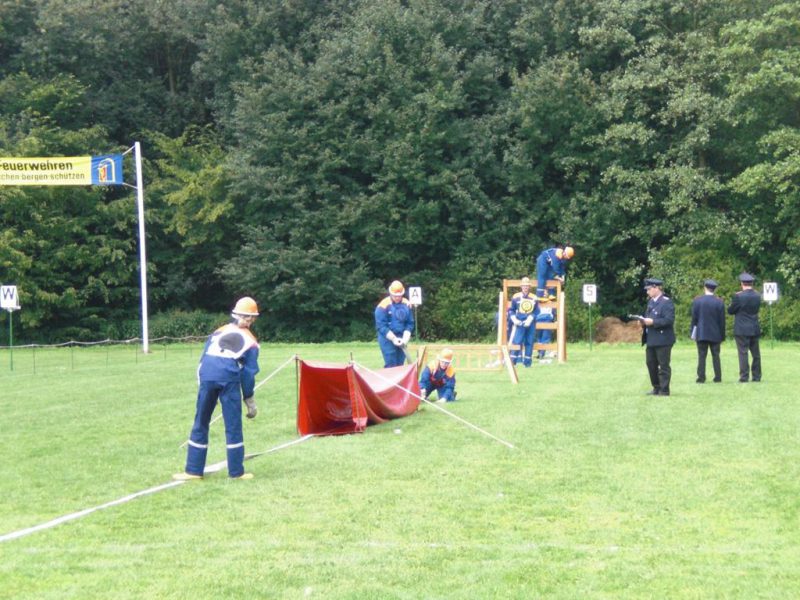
<point x="308" y="152"/>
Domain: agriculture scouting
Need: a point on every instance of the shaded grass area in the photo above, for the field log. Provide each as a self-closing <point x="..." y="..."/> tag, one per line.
<point x="608" y="493"/>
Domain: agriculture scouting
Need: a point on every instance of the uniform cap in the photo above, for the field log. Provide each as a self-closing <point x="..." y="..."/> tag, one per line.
<point x="246" y="307"/>
<point x="446" y="355"/>
<point x="710" y="284"/>
<point x="653" y="282"/>
<point x="396" y="288"/>
<point x="525" y="281"/>
<point x="746" y="278"/>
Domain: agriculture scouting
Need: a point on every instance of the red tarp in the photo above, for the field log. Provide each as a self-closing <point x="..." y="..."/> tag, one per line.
<point x="340" y="398"/>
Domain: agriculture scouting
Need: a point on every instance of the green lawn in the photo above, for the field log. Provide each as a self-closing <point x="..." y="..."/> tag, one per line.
<point x="608" y="493"/>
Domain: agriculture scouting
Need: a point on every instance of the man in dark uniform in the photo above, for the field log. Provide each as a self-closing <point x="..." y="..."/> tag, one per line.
<point x="659" y="336"/>
<point x="708" y="329"/>
<point x="746" y="330"/>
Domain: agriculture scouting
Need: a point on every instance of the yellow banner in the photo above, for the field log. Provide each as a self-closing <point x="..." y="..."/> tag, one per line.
<point x="61" y="170"/>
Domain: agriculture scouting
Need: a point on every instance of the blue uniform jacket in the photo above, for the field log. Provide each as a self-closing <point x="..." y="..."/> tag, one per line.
<point x="230" y="355"/>
<point x="708" y="319"/>
<point x="442" y="380"/>
<point x="662" y="331"/>
<point x="745" y="306"/>
<point x="396" y="317"/>
<point x="544" y="314"/>
<point x="553" y="265"/>
<point x="522" y="306"/>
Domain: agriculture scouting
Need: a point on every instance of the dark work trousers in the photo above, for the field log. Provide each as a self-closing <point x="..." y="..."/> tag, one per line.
<point x="745" y="344"/>
<point x="658" y="358"/>
<point x="702" y="353"/>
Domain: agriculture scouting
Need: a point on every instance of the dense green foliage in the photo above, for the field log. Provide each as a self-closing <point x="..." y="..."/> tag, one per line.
<point x="307" y="152"/>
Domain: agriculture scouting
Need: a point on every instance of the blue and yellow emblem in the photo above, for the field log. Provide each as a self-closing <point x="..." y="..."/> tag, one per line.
<point x="526" y="306"/>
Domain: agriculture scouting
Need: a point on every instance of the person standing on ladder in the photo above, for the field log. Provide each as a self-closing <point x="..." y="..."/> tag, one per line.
<point x="551" y="264"/>
<point x="227" y="371"/>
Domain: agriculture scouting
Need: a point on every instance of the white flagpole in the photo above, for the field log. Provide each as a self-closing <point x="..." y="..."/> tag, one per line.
<point x="137" y="153"/>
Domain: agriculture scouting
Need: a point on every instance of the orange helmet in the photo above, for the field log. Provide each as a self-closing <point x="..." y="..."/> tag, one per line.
<point x="396" y="288"/>
<point x="446" y="355"/>
<point x="245" y="307"/>
<point x="565" y="253"/>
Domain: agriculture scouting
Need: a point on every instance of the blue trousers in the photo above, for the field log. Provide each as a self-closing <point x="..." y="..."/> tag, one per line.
<point x="522" y="336"/>
<point x="544" y="336"/>
<point x="543" y="272"/>
<point x="393" y="356"/>
<point x="442" y="393"/>
<point x="230" y="398"/>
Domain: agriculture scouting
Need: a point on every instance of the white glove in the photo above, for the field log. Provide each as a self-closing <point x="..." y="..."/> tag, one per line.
<point x="527" y="322"/>
<point x="398" y="342"/>
<point x="516" y="321"/>
<point x="559" y="278"/>
<point x="406" y="337"/>
<point x="391" y="337"/>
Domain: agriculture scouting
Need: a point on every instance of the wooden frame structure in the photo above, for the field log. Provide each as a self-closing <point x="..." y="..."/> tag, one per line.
<point x="560" y="325"/>
<point x="470" y="357"/>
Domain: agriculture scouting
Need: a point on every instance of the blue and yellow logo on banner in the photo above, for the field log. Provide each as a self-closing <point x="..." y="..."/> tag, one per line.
<point x="76" y="170"/>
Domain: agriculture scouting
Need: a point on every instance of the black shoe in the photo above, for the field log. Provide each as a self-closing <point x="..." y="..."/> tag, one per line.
<point x="756" y="380"/>
<point x="699" y="380"/>
<point x="743" y="381"/>
<point x="653" y="393"/>
<point x="718" y="381"/>
<point x="663" y="393"/>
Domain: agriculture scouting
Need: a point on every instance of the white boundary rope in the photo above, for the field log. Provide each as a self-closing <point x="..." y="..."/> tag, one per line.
<point x="435" y="405"/>
<point x="263" y="381"/>
<point x="82" y="513"/>
<point x="87" y="511"/>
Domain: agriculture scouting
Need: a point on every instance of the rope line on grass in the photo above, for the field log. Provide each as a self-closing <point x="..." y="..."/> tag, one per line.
<point x="165" y="486"/>
<point x="435" y="405"/>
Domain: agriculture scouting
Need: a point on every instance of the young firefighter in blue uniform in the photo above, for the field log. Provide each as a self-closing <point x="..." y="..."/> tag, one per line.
<point x="394" y="322"/>
<point x="439" y="376"/>
<point x="551" y="264"/>
<point x="520" y="313"/>
<point x="227" y="370"/>
<point x="543" y="314"/>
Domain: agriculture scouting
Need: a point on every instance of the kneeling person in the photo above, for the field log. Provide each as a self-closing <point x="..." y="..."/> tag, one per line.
<point x="439" y="376"/>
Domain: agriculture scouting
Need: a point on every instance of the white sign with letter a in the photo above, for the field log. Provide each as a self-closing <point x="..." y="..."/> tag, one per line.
<point x="415" y="295"/>
<point x="770" y="291"/>
<point x="589" y="293"/>
<point x="8" y="297"/>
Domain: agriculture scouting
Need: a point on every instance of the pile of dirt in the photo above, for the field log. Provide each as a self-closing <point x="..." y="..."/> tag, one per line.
<point x="612" y="330"/>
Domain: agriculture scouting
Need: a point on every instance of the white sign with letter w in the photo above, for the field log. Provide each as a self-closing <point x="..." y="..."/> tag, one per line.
<point x="770" y="291"/>
<point x="8" y="297"/>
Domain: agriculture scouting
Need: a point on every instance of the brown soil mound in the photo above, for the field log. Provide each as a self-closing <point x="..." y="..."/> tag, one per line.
<point x="613" y="331"/>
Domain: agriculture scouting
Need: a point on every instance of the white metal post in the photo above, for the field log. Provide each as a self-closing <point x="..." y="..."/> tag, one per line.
<point x="137" y="153"/>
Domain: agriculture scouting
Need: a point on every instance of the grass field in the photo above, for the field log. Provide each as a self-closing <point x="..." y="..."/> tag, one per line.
<point x="608" y="493"/>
